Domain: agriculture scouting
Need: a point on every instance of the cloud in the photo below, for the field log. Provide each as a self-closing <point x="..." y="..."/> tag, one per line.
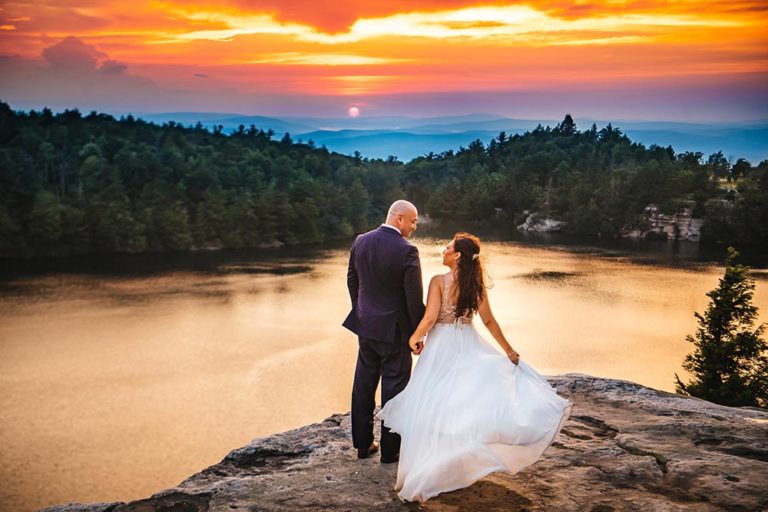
<point x="72" y="73"/>
<point x="73" y="54"/>
<point x="340" y="15"/>
<point x="504" y="25"/>
<point x="52" y="16"/>
<point x="113" y="67"/>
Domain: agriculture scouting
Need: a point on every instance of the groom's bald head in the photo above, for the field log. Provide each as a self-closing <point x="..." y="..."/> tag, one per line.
<point x="400" y="207"/>
<point x="403" y="215"/>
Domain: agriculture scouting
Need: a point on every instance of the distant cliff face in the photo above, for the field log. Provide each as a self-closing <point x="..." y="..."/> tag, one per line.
<point x="677" y="226"/>
<point x="625" y="447"/>
<point x="539" y="223"/>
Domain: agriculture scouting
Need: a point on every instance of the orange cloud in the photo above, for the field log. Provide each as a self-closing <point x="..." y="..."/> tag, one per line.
<point x="339" y="15"/>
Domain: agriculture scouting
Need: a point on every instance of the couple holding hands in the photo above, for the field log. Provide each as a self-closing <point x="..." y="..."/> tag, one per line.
<point x="466" y="410"/>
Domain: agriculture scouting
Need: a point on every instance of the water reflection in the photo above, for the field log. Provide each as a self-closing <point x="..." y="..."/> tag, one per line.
<point x="120" y="377"/>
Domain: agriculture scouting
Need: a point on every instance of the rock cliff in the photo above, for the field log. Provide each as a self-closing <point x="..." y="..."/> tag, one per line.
<point x="625" y="447"/>
<point x="677" y="226"/>
<point x="539" y="223"/>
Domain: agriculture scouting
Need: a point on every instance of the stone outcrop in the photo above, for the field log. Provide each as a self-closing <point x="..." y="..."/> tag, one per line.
<point x="677" y="226"/>
<point x="626" y="447"/>
<point x="539" y="223"/>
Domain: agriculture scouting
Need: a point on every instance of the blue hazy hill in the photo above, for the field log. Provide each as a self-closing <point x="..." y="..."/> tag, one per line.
<point x="229" y="121"/>
<point x="407" y="138"/>
<point x="405" y="145"/>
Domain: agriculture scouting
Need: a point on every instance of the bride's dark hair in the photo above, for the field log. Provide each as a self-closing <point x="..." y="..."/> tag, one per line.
<point x="470" y="288"/>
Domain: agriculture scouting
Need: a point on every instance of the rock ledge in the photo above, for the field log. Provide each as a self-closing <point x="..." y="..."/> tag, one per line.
<point x="626" y="447"/>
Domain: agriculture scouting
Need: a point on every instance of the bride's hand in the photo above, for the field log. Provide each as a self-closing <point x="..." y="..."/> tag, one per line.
<point x="416" y="345"/>
<point x="514" y="357"/>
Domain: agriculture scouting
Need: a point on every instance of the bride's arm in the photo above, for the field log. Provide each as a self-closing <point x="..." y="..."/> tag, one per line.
<point x="430" y="315"/>
<point x="484" y="309"/>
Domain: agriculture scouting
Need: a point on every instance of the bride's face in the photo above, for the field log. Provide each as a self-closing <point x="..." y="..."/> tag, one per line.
<point x="450" y="256"/>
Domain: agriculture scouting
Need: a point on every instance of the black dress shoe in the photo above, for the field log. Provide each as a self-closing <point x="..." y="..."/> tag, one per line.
<point x="364" y="453"/>
<point x="390" y="460"/>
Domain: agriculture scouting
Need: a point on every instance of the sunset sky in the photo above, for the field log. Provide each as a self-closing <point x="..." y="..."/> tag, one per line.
<point x="692" y="60"/>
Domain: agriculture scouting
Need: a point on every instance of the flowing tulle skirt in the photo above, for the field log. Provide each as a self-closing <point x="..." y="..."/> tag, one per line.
<point x="468" y="411"/>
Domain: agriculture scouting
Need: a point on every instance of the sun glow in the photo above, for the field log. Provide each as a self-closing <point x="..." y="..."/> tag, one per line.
<point x="322" y="59"/>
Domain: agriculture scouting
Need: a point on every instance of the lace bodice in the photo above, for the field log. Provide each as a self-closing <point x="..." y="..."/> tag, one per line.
<point x="447" y="310"/>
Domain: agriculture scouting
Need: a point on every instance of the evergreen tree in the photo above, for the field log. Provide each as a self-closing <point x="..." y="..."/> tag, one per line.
<point x="730" y="363"/>
<point x="568" y="126"/>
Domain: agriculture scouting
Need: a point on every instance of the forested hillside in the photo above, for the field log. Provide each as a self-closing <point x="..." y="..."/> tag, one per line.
<point x="77" y="184"/>
<point x="74" y="184"/>
<point x="596" y="181"/>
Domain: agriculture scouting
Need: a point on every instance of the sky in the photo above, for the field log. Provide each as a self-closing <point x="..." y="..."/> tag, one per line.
<point x="676" y="60"/>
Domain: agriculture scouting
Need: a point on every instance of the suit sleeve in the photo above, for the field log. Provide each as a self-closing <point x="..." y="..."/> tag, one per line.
<point x="353" y="282"/>
<point x="414" y="291"/>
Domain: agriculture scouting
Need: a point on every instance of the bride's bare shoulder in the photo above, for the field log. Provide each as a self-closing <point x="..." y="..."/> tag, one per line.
<point x="438" y="280"/>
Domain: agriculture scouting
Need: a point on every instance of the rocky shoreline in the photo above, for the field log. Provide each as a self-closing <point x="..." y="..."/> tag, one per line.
<point x="625" y="447"/>
<point x="654" y="224"/>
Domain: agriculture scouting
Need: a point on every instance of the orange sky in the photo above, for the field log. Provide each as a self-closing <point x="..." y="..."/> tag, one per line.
<point x="357" y="51"/>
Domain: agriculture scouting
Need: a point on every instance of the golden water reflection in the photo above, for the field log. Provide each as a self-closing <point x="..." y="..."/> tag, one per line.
<point x="113" y="388"/>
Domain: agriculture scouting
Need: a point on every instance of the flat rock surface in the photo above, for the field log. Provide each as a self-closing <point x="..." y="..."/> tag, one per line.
<point x="626" y="447"/>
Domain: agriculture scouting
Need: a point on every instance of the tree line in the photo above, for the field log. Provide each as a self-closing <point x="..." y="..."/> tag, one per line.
<point x="75" y="184"/>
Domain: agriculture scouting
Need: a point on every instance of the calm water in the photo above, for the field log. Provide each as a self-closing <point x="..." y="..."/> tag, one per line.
<point x="119" y="378"/>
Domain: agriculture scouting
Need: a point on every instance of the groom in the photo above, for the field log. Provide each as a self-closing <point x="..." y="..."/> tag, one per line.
<point x="384" y="281"/>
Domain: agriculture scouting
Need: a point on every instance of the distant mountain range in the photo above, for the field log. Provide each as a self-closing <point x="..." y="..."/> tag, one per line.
<point x="407" y="138"/>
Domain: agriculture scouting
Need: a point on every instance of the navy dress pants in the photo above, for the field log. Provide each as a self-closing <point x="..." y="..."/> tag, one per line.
<point x="392" y="363"/>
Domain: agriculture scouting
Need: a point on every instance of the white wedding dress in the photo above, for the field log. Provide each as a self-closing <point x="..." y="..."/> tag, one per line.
<point x="468" y="411"/>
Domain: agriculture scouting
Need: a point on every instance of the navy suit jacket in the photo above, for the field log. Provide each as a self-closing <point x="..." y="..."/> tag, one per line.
<point x="384" y="281"/>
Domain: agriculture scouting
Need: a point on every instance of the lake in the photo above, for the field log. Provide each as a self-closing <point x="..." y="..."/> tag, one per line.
<point x="121" y="376"/>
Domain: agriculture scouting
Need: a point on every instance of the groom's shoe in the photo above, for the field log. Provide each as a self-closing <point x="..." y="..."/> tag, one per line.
<point x="364" y="453"/>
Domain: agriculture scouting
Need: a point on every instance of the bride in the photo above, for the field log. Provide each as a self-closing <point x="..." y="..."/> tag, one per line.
<point x="468" y="410"/>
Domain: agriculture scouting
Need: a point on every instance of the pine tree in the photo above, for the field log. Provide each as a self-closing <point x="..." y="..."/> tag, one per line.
<point x="730" y="363"/>
<point x="568" y="126"/>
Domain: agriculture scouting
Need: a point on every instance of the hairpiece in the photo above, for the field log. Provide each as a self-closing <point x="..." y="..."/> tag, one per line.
<point x="475" y="256"/>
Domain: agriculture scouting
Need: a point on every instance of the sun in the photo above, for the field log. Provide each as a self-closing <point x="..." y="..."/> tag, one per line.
<point x="353" y="112"/>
